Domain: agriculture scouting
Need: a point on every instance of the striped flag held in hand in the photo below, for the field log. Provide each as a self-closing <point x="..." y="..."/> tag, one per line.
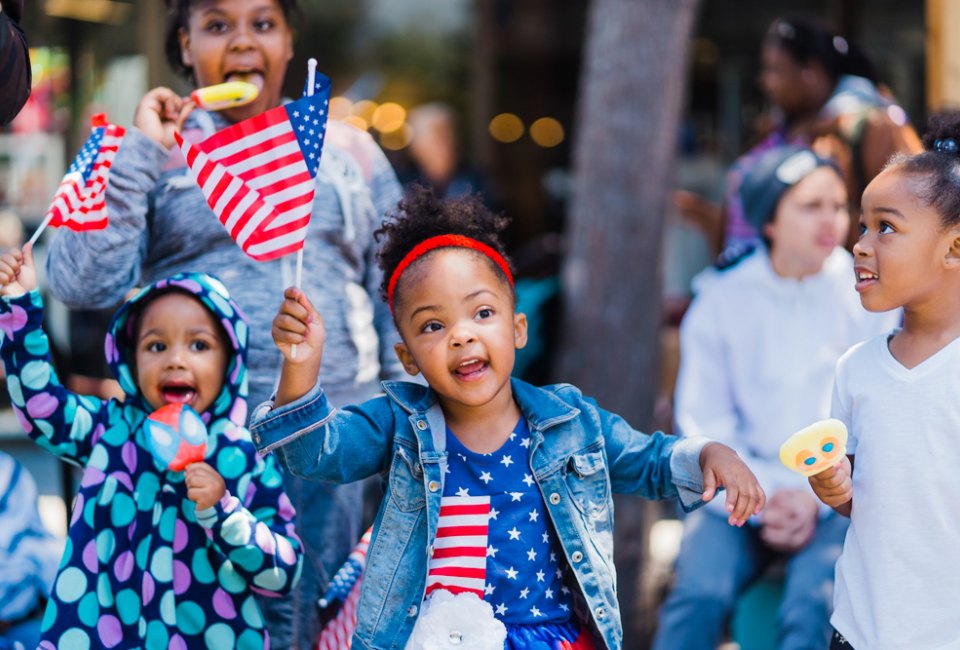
<point x="258" y="175"/>
<point x="80" y="203"/>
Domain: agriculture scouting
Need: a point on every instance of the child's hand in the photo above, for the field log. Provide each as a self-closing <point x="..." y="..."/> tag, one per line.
<point x="834" y="485"/>
<point x="722" y="466"/>
<point x="160" y="113"/>
<point x="205" y="486"/>
<point x="18" y="275"/>
<point x="298" y="323"/>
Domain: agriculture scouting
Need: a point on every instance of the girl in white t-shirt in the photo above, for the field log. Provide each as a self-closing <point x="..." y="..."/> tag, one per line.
<point x="898" y="578"/>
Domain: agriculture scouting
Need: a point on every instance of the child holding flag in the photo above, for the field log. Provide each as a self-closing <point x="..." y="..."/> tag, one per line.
<point x="160" y="224"/>
<point x="497" y="527"/>
<point x="154" y="558"/>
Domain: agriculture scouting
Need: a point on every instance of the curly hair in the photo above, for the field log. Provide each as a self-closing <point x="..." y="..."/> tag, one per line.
<point x="938" y="167"/>
<point x="422" y="215"/>
<point x="178" y="17"/>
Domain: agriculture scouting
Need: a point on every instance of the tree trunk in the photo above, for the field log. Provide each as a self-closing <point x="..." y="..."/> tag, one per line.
<point x="631" y="94"/>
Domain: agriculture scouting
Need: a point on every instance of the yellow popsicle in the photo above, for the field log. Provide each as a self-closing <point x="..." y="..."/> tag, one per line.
<point x="226" y="95"/>
<point x="813" y="449"/>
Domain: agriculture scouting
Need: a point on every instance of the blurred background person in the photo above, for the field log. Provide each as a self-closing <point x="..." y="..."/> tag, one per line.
<point x="15" y="75"/>
<point x="823" y="92"/>
<point x="29" y="557"/>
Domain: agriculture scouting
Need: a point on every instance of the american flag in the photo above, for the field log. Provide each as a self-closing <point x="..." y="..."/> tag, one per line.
<point x="79" y="203"/>
<point x="258" y="175"/>
<point x="345" y="586"/>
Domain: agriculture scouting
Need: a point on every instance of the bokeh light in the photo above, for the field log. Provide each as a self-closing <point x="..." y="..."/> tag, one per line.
<point x="340" y="108"/>
<point x="506" y="127"/>
<point x="389" y="117"/>
<point x="547" y="132"/>
<point x="397" y="139"/>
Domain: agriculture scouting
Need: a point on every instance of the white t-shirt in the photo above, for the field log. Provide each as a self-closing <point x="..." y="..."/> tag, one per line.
<point x="758" y="354"/>
<point x="898" y="579"/>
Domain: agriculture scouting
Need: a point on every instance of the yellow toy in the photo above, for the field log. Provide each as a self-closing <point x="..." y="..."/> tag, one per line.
<point x="226" y="95"/>
<point x="815" y="448"/>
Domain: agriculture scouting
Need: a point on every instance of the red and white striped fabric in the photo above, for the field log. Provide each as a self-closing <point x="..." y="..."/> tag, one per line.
<point x="80" y="201"/>
<point x="459" y="559"/>
<point x="258" y="175"/>
<point x="337" y="634"/>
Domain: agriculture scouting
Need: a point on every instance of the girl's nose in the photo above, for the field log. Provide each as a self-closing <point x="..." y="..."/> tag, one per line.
<point x="243" y="37"/>
<point x="461" y="336"/>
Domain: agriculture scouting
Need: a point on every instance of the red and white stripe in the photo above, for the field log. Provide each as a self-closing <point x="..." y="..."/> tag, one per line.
<point x="337" y="634"/>
<point x="80" y="206"/>
<point x="459" y="559"/>
<point x="256" y="181"/>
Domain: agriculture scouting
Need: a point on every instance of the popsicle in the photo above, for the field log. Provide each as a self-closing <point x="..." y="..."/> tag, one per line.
<point x="226" y="95"/>
<point x="176" y="436"/>
<point x="815" y="448"/>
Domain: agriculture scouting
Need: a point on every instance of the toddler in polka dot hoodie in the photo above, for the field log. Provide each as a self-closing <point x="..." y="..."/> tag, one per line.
<point x="154" y="558"/>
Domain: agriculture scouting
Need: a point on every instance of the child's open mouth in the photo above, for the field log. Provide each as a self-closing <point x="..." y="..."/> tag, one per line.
<point x="470" y="369"/>
<point x="178" y="393"/>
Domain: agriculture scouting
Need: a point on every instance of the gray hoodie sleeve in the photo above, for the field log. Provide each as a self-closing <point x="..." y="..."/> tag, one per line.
<point x="97" y="268"/>
<point x="386" y="193"/>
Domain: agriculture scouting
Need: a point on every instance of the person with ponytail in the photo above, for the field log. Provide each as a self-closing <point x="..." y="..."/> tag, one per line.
<point x="896" y="579"/>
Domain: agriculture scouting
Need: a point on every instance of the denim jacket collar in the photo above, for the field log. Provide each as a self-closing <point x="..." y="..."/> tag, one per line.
<point x="542" y="409"/>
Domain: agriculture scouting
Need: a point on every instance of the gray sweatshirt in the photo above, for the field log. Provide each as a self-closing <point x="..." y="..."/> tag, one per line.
<point x="160" y="224"/>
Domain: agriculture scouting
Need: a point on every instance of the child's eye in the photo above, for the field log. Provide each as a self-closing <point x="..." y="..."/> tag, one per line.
<point x="156" y="346"/>
<point x="863" y="229"/>
<point x="432" y="326"/>
<point x="199" y="346"/>
<point x="885" y="228"/>
<point x="485" y="312"/>
<point x="264" y="25"/>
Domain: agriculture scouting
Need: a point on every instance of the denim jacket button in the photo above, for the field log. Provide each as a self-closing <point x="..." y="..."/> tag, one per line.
<point x="433" y="486"/>
<point x="600" y="612"/>
<point x="256" y="438"/>
<point x="421" y="425"/>
<point x="430" y="551"/>
<point x="577" y="556"/>
<point x="554" y="498"/>
<point x="412" y="611"/>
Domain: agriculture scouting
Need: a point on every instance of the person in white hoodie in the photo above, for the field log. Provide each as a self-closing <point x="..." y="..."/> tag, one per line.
<point x="758" y="348"/>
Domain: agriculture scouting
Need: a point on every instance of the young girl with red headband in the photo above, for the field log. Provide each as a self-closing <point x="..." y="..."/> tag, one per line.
<point x="496" y="530"/>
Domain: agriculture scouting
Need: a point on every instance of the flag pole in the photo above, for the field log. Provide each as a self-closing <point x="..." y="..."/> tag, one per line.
<point x="40" y="229"/>
<point x="311" y="80"/>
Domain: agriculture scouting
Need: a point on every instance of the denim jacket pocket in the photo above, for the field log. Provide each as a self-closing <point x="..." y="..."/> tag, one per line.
<point x="586" y="479"/>
<point x="406" y="480"/>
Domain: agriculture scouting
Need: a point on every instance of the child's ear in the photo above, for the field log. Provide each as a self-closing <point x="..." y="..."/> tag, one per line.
<point x="952" y="258"/>
<point x="185" y="47"/>
<point x="406" y="359"/>
<point x="519" y="330"/>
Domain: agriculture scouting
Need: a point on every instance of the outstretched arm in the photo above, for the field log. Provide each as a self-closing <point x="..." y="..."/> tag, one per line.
<point x="66" y="424"/>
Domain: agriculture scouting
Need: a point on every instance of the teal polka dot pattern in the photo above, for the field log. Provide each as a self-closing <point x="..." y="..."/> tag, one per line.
<point x="141" y="568"/>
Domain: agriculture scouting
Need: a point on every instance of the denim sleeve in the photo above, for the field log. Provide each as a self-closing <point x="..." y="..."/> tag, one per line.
<point x="66" y="424"/>
<point x="654" y="466"/>
<point x="314" y="440"/>
<point x="96" y="268"/>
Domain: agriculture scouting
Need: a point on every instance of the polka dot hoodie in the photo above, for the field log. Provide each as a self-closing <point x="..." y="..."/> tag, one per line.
<point x="142" y="567"/>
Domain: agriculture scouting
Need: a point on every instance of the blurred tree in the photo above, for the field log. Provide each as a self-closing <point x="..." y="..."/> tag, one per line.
<point x="631" y="93"/>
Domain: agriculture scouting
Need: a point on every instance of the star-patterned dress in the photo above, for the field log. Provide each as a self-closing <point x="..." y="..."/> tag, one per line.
<point x="495" y="539"/>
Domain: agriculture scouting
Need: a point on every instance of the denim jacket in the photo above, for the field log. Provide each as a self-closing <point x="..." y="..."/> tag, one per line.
<point x="580" y="455"/>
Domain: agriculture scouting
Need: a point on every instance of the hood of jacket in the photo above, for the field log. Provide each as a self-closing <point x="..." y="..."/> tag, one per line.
<point x="231" y="403"/>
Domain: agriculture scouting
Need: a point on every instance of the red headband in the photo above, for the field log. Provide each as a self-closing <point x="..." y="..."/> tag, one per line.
<point x="443" y="241"/>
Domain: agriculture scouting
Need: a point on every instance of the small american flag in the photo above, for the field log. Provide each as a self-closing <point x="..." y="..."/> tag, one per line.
<point x="459" y="559"/>
<point x="258" y="175"/>
<point x="345" y="586"/>
<point x="79" y="203"/>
